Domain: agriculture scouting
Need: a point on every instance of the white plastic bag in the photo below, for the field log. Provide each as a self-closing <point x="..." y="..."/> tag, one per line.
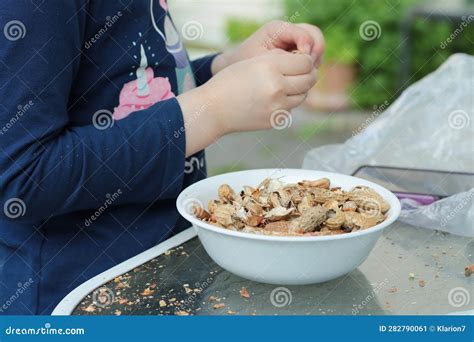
<point x="453" y="214"/>
<point x="430" y="126"/>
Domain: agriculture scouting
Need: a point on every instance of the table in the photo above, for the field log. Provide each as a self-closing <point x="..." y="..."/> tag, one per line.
<point x="410" y="271"/>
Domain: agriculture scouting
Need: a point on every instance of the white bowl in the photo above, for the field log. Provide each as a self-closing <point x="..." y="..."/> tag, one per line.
<point x="283" y="260"/>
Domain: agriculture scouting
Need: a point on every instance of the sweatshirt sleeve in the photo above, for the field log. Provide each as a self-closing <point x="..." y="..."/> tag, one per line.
<point x="202" y="69"/>
<point x="53" y="166"/>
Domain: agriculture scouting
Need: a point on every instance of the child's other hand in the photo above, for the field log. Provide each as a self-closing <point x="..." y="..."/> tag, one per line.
<point x="243" y="96"/>
<point x="276" y="35"/>
<point x="248" y="92"/>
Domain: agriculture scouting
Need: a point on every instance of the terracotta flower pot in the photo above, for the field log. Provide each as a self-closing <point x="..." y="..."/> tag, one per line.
<point x="331" y="92"/>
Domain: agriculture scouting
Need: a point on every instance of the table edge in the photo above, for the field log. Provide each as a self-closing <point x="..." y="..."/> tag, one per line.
<point x="67" y="305"/>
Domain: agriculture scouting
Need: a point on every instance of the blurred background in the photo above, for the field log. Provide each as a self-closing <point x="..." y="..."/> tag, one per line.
<point x="374" y="50"/>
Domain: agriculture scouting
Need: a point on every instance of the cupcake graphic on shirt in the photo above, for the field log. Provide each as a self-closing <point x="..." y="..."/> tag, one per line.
<point x="143" y="92"/>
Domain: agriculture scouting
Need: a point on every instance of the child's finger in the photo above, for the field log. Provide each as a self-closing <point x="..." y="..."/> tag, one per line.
<point x="296" y="85"/>
<point x="318" y="41"/>
<point x="292" y="35"/>
<point x="294" y="64"/>
<point x="293" y="101"/>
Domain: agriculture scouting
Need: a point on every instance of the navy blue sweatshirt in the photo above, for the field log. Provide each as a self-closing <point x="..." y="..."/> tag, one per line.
<point x="92" y="145"/>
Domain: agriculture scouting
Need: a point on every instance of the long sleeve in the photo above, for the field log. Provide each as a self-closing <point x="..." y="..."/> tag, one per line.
<point x="202" y="69"/>
<point x="53" y="165"/>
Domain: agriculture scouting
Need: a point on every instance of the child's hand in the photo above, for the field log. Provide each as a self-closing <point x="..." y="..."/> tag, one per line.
<point x="243" y="96"/>
<point x="249" y="91"/>
<point x="276" y="35"/>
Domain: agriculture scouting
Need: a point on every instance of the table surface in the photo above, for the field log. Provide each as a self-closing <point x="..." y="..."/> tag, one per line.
<point x="410" y="271"/>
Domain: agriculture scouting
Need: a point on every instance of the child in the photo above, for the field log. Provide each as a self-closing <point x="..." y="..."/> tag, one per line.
<point x="104" y="121"/>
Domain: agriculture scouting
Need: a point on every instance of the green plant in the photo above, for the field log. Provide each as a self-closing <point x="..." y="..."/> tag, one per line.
<point x="239" y="29"/>
<point x="378" y="60"/>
